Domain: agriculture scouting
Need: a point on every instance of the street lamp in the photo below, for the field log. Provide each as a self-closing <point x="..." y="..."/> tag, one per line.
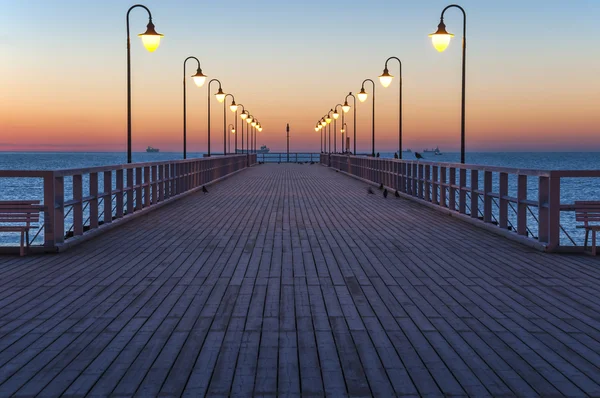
<point x="328" y="119"/>
<point x="199" y="79"/>
<point x="243" y="115"/>
<point x="232" y="129"/>
<point x="249" y="121"/>
<point x="344" y="125"/>
<point x="151" y="40"/>
<point x="441" y="40"/>
<point x="346" y="108"/>
<point x="233" y="108"/>
<point x="362" y="96"/>
<point x="386" y="80"/>
<point x="336" y="115"/>
<point x="220" y="96"/>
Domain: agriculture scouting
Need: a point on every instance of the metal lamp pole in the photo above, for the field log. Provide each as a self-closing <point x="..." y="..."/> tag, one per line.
<point x="232" y="132"/>
<point x="232" y="107"/>
<point x="385" y="80"/>
<point x="441" y="40"/>
<point x="220" y="90"/>
<point x="287" y="129"/>
<point x="362" y="92"/>
<point x="151" y="40"/>
<point x="335" y="118"/>
<point x="354" y="126"/>
<point x="199" y="79"/>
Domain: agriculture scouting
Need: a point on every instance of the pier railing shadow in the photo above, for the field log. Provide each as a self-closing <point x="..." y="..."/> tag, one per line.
<point x="80" y="203"/>
<point x="522" y="204"/>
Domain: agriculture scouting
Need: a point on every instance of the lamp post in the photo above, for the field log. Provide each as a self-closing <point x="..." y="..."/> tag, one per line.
<point x="344" y="127"/>
<point x="441" y="40"/>
<point x="232" y="129"/>
<point x="151" y="40"/>
<point x="287" y="129"/>
<point x="199" y="79"/>
<point x="317" y="129"/>
<point x="220" y="95"/>
<point x="243" y="115"/>
<point x="336" y="115"/>
<point x="323" y="124"/>
<point x="328" y="121"/>
<point x="346" y="108"/>
<point x="233" y="107"/>
<point x="362" y="97"/>
<point x="249" y="121"/>
<point x="386" y="80"/>
<point x="253" y="124"/>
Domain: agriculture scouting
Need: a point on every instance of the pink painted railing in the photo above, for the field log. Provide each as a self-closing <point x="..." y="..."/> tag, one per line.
<point x="86" y="199"/>
<point x="522" y="204"/>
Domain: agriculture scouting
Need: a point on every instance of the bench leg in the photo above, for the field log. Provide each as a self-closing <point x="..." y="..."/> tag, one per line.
<point x="594" y="243"/>
<point x="22" y="252"/>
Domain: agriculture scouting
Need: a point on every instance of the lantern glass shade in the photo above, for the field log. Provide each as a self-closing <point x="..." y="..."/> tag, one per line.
<point x="362" y="96"/>
<point x="342" y="131"/>
<point x="244" y="115"/>
<point x="249" y="119"/>
<point x="328" y="119"/>
<point x="336" y="115"/>
<point x="232" y="131"/>
<point x="220" y="95"/>
<point x="199" y="78"/>
<point x="386" y="78"/>
<point x="441" y="38"/>
<point x="346" y="107"/>
<point x="316" y="129"/>
<point x="253" y="123"/>
<point x="150" y="38"/>
<point x="233" y="107"/>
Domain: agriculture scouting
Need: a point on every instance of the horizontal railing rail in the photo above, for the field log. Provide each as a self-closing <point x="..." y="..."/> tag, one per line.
<point x="526" y="202"/>
<point x="80" y="200"/>
<point x="282" y="157"/>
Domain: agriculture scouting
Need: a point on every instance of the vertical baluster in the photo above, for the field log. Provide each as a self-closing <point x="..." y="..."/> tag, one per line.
<point x="78" y="205"/>
<point x="474" y="195"/>
<point x="554" y="213"/>
<point x="49" y="210"/>
<point x="161" y="182"/>
<point x="435" y="185"/>
<point x="420" y="180"/>
<point x="462" y="193"/>
<point x="147" y="183"/>
<point x="503" y="211"/>
<point x="59" y="209"/>
<point x="452" y="189"/>
<point x="154" y="184"/>
<point x="130" y="191"/>
<point x="443" y="184"/>
<point x="427" y="182"/>
<point x="543" y="211"/>
<point x="138" y="188"/>
<point x="108" y="191"/>
<point x="522" y="207"/>
<point x="120" y="193"/>
<point x="93" y="204"/>
<point x="487" y="197"/>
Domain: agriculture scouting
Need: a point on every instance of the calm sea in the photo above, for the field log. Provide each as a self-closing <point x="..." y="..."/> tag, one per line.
<point x="571" y="188"/>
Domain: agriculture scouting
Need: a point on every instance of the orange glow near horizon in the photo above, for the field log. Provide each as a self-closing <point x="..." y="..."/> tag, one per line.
<point x="517" y="99"/>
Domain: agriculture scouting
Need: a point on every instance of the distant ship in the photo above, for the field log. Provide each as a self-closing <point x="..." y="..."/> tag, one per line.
<point x="152" y="150"/>
<point x="263" y="149"/>
<point x="435" y="151"/>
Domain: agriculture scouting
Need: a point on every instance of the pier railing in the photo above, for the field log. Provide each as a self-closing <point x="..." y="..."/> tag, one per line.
<point x="522" y="204"/>
<point x="282" y="157"/>
<point x="78" y="202"/>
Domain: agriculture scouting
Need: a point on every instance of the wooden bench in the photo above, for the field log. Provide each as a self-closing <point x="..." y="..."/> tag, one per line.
<point x="588" y="212"/>
<point x="20" y="216"/>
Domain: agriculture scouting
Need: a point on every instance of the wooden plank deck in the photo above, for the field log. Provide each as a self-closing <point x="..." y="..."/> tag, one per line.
<point x="292" y="280"/>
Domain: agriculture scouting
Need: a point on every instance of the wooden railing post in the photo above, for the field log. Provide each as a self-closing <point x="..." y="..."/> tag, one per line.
<point x="503" y="193"/>
<point x="474" y="194"/>
<point x="78" y="205"/>
<point x="452" y="189"/>
<point x="107" y="197"/>
<point x="59" y="209"/>
<point x="49" y="210"/>
<point x="93" y="203"/>
<point x="120" y="193"/>
<point x="543" y="210"/>
<point x="462" y="193"/>
<point x="487" y="197"/>
<point x="442" y="185"/>
<point x="138" y="188"/>
<point x="147" y="183"/>
<point x="554" y="213"/>
<point x="130" y="191"/>
<point x="427" y="178"/>
<point x="154" y="184"/>
<point x="521" y="206"/>
<point x="161" y="182"/>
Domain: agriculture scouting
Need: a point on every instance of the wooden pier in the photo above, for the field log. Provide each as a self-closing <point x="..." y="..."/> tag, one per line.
<point x="292" y="280"/>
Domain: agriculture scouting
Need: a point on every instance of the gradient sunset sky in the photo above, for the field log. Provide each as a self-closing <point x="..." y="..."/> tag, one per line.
<point x="532" y="72"/>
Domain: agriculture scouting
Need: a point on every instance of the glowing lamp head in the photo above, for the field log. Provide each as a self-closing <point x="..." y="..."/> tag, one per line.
<point x="441" y="38"/>
<point x="336" y="114"/>
<point x="220" y="95"/>
<point x="232" y="131"/>
<point x="386" y="78"/>
<point x="346" y="107"/>
<point x="199" y="78"/>
<point x="316" y="128"/>
<point x="233" y="106"/>
<point x="259" y="128"/>
<point x="342" y="131"/>
<point x="328" y="117"/>
<point x="249" y="119"/>
<point x="362" y="96"/>
<point x="244" y="115"/>
<point x="150" y="38"/>
<point x="323" y="123"/>
<point x="253" y="124"/>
